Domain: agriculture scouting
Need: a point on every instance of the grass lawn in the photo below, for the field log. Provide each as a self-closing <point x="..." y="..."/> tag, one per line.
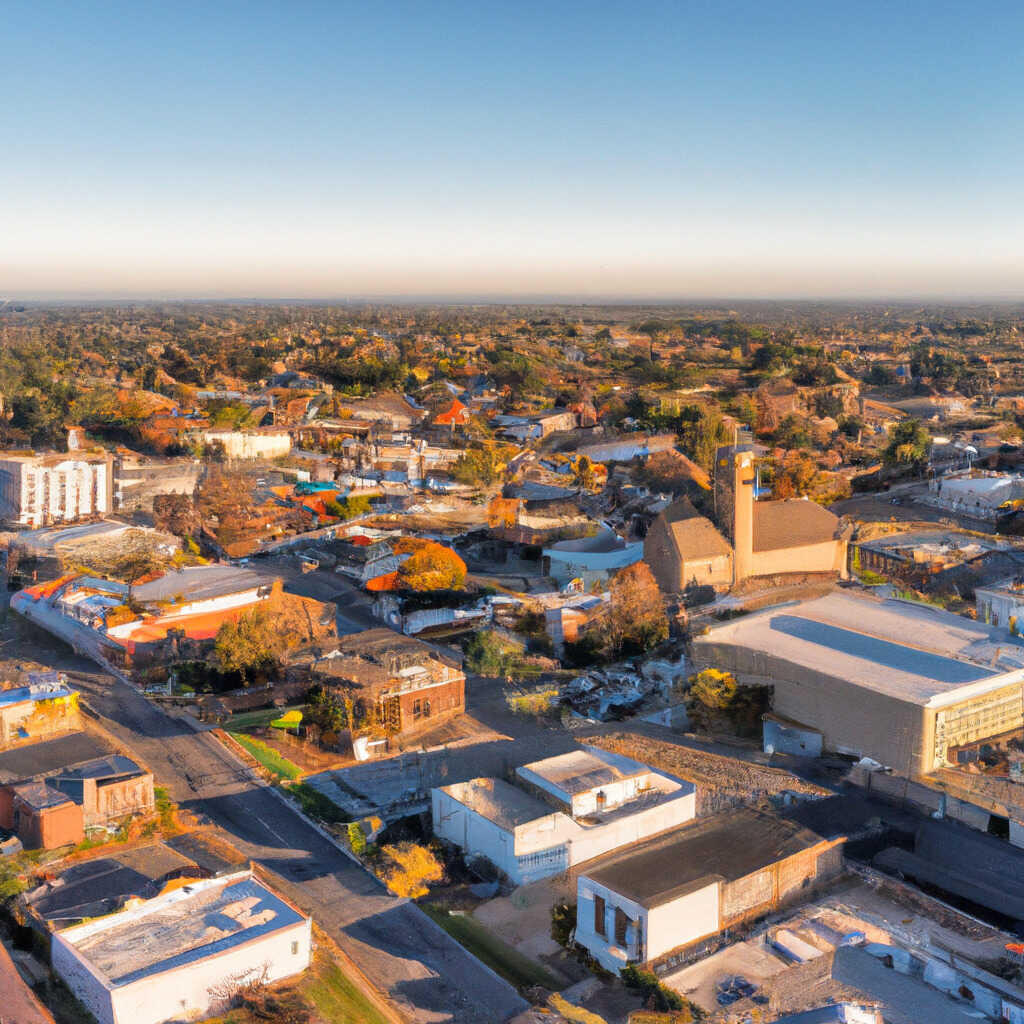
<point x="330" y="994"/>
<point x="516" y="969"/>
<point x="268" y="757"/>
<point x="255" y="719"/>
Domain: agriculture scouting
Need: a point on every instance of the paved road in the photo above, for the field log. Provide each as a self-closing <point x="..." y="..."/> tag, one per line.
<point x="431" y="977"/>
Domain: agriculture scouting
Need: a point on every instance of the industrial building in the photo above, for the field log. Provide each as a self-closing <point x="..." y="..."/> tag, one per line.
<point x="640" y="905"/>
<point x="978" y="493"/>
<point x="46" y="707"/>
<point x="902" y="683"/>
<point x="180" y="955"/>
<point x="753" y="538"/>
<point x="562" y="811"/>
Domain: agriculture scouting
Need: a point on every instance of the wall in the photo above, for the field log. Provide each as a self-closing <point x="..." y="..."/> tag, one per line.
<point x="682" y="921"/>
<point x="473" y="833"/>
<point x="710" y="572"/>
<point x="108" y="801"/>
<point x="662" y="557"/>
<point x="791" y="739"/>
<point x="828" y="556"/>
<point x="184" y="991"/>
<point x="852" y="719"/>
<point x="51" y="827"/>
<point x="446" y="699"/>
<point x="39" y="718"/>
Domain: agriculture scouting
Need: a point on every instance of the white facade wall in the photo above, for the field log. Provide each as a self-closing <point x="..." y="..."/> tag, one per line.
<point x="183" y="992"/>
<point x="36" y="492"/>
<point x="240" y="445"/>
<point x="555" y="842"/>
<point x="997" y="607"/>
<point x="656" y="931"/>
<point x="567" y="565"/>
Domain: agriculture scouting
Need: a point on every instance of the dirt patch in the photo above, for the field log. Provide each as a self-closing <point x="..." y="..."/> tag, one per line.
<point x="722" y="782"/>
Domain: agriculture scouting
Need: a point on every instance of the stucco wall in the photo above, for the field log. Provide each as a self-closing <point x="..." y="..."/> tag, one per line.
<point x="852" y="719"/>
<point x="828" y="556"/>
<point x="185" y="991"/>
<point x="662" y="558"/>
<point x="682" y="921"/>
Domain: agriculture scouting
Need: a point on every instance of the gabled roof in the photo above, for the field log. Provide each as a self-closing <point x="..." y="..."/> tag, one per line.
<point x="792" y="523"/>
<point x="695" y="536"/>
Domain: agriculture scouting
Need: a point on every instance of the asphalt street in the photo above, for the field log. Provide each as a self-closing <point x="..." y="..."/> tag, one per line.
<point x="426" y="973"/>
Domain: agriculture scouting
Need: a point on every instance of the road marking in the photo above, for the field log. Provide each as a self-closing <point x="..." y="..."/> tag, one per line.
<point x="280" y="838"/>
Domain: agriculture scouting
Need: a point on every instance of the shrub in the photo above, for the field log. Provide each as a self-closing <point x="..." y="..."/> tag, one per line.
<point x="411" y="868"/>
<point x="655" y="995"/>
<point x="356" y="839"/>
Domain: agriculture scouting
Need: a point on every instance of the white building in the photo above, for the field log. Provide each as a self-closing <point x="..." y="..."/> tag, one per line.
<point x="1002" y="605"/>
<point x="563" y="810"/>
<point x="591" y="558"/>
<point x="176" y="957"/>
<point x="36" y="490"/>
<point x="250" y="444"/>
<point x="638" y="905"/>
<point x="975" y="492"/>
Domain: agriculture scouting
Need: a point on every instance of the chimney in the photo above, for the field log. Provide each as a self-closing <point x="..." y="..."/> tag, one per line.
<point x="742" y="514"/>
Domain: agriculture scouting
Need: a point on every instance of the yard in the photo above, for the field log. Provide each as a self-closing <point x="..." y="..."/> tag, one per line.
<point x="514" y="967"/>
<point x="275" y="763"/>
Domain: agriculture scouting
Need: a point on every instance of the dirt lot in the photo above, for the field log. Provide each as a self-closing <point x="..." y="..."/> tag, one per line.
<point x="751" y="960"/>
<point x="721" y="782"/>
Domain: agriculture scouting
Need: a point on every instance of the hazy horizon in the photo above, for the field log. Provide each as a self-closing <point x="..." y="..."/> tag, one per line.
<point x="532" y="152"/>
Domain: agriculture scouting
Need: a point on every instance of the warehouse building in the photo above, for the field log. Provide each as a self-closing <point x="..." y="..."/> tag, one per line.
<point x="562" y="811"/>
<point x="690" y="884"/>
<point x="902" y="683"/>
<point x="180" y="955"/>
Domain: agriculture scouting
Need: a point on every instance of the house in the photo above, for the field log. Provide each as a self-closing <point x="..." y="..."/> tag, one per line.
<point x="41" y="488"/>
<point x="560" y="812"/>
<point x="173" y="616"/>
<point x="454" y="415"/>
<point x="591" y="558"/>
<point x="753" y="539"/>
<point x="637" y="906"/>
<point x="42" y="817"/>
<point x="565" y="622"/>
<point x="902" y="683"/>
<point x="363" y="559"/>
<point x="182" y="954"/>
<point x="397" y="684"/>
<point x="44" y="708"/>
<point x="388" y="408"/>
<point x="108" y="789"/>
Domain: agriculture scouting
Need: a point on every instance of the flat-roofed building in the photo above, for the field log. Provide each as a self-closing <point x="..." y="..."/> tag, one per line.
<point x="38" y="711"/>
<point x="899" y="682"/>
<point x="642" y="904"/>
<point x="562" y="811"/>
<point x="180" y="955"/>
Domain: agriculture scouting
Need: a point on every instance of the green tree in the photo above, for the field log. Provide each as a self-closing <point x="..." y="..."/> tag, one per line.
<point x="252" y="644"/>
<point x="909" y="444"/>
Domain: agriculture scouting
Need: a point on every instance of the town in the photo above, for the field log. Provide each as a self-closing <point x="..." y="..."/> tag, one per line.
<point x="537" y="663"/>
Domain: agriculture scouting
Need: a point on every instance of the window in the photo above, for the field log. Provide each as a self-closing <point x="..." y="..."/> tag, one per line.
<point x="295" y="949"/>
<point x="426" y="708"/>
<point x="621" y="924"/>
<point x="599" y="915"/>
<point x="417" y="709"/>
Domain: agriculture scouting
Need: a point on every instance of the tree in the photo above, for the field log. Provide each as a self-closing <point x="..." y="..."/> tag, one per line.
<point x="636" y="613"/>
<point x="411" y="868"/>
<point x="432" y="567"/>
<point x="584" y="475"/>
<point x="715" y="698"/>
<point x="254" y="643"/>
<point x="909" y="443"/>
<point x="176" y="513"/>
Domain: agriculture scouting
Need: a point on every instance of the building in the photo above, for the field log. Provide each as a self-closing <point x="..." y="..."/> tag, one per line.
<point x="1002" y="605"/>
<point x="390" y="409"/>
<point x="919" y="555"/>
<point x="754" y="539"/>
<point x="108" y="789"/>
<point x="174" y="616"/>
<point x="38" y="489"/>
<point x="46" y="707"/>
<point x="591" y="558"/>
<point x="902" y="683"/>
<point x="977" y="493"/>
<point x="640" y="905"/>
<point x="182" y="954"/>
<point x="561" y="811"/>
<point x="20" y="1004"/>
<point x="397" y="684"/>
<point x="565" y="622"/>
<point x="261" y="443"/>
<point x="42" y="816"/>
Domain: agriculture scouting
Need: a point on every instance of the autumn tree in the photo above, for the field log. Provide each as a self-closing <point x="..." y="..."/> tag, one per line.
<point x="716" y="699"/>
<point x="431" y="566"/>
<point x="252" y="644"/>
<point x="636" y="619"/>
<point x="176" y="513"/>
<point x="411" y="867"/>
<point x="225" y="495"/>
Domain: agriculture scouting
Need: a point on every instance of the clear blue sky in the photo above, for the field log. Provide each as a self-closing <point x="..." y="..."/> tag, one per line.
<point x="673" y="149"/>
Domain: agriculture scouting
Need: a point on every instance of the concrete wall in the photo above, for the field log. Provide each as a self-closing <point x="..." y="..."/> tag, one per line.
<point x="39" y="719"/>
<point x="828" y="556"/>
<point x="50" y="827"/>
<point x="662" y="557"/>
<point x="473" y="833"/>
<point x="852" y="719"/>
<point x="791" y="739"/>
<point x="105" y="802"/>
<point x="707" y="572"/>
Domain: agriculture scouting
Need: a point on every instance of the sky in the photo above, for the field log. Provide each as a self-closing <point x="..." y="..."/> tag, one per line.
<point x="647" y="150"/>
